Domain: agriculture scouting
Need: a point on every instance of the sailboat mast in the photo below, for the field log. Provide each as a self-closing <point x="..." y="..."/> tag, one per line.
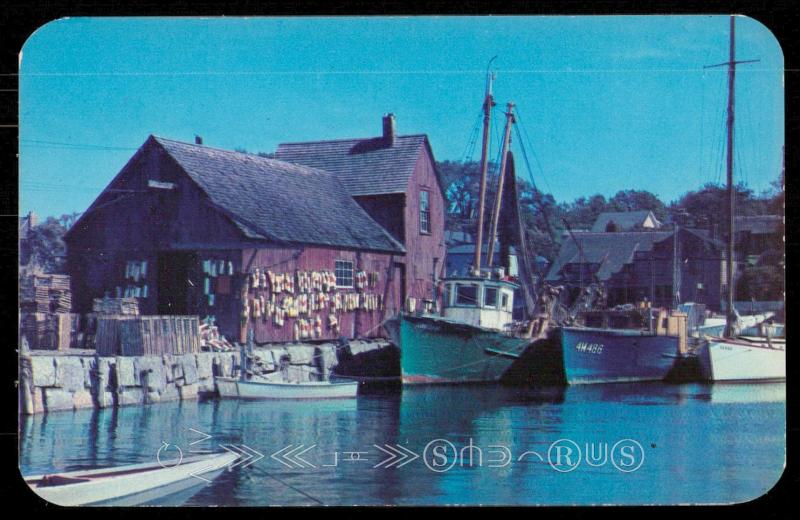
<point x="488" y="103"/>
<point x="731" y="316"/>
<point x="499" y="196"/>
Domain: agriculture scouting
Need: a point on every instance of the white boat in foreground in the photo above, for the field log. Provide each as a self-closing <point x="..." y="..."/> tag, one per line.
<point x="229" y="387"/>
<point x="743" y="358"/>
<point x="131" y="485"/>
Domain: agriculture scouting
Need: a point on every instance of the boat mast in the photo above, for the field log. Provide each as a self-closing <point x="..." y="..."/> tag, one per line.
<point x="488" y="103"/>
<point x="499" y="196"/>
<point x="730" y="316"/>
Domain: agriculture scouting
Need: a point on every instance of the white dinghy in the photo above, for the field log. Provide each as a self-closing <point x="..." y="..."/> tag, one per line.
<point x="131" y="485"/>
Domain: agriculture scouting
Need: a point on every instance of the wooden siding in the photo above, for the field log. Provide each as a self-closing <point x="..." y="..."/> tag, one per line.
<point x="358" y="323"/>
<point x="134" y="225"/>
<point x="422" y="249"/>
<point x="650" y="274"/>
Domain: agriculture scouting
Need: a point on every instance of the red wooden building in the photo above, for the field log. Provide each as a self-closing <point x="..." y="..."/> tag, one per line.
<point x="394" y="178"/>
<point x="252" y="241"/>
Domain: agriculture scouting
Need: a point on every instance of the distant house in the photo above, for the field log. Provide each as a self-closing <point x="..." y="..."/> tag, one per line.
<point x="457" y="238"/>
<point x="26" y="225"/>
<point x="395" y="180"/>
<point x="255" y="242"/>
<point x="613" y="221"/>
<point x="460" y="258"/>
<point x="638" y="265"/>
<point x="759" y="235"/>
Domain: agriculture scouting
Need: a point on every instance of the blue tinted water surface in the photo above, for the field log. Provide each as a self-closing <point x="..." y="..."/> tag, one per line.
<point x="674" y="444"/>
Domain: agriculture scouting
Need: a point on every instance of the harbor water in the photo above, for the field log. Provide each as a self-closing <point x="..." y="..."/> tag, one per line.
<point x="493" y="445"/>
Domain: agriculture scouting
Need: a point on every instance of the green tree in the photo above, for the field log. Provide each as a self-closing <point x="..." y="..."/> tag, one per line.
<point x="44" y="248"/>
<point x="638" y="200"/>
<point x="760" y="283"/>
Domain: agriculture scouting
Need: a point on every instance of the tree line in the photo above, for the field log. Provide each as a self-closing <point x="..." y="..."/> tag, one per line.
<point x="544" y="218"/>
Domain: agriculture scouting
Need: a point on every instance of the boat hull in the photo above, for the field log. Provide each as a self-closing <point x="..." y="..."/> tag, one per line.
<point x="135" y="485"/>
<point x="722" y="360"/>
<point x="439" y="351"/>
<point x="236" y="389"/>
<point x="616" y="355"/>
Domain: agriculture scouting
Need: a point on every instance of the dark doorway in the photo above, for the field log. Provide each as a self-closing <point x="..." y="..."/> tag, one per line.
<point x="177" y="286"/>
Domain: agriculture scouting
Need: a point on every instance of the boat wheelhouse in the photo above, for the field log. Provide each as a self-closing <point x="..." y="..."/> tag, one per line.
<point x="486" y="302"/>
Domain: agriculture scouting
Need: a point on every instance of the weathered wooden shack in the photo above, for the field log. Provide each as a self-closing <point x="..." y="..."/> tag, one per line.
<point x="394" y="178"/>
<point x="250" y="241"/>
<point x="638" y="265"/>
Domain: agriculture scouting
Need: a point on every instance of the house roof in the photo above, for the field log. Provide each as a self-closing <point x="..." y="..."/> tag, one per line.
<point x="277" y="201"/>
<point x="365" y="166"/>
<point x="759" y="224"/>
<point x="625" y="220"/>
<point x="609" y="252"/>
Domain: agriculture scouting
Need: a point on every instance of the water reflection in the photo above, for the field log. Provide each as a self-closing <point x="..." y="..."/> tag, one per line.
<point x="731" y="435"/>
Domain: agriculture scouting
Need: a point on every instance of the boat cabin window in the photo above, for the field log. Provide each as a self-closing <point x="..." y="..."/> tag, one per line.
<point x="490" y="297"/>
<point x="466" y="295"/>
<point x="505" y="301"/>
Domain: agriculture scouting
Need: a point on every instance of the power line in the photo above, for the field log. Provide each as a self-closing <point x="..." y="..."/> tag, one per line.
<point x="36" y="143"/>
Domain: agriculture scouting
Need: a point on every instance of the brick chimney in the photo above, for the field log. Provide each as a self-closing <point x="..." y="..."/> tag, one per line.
<point x="198" y="139"/>
<point x="389" y="127"/>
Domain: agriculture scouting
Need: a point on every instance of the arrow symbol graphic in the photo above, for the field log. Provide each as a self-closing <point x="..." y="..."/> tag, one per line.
<point x="392" y="455"/>
<point x="399" y="456"/>
<point x="298" y="457"/>
<point x="239" y="453"/>
<point x="256" y="456"/>
<point x="196" y="472"/>
<point x="278" y="454"/>
<point x="202" y="470"/>
<point x="204" y="434"/>
<point x="407" y="454"/>
<point x="292" y="458"/>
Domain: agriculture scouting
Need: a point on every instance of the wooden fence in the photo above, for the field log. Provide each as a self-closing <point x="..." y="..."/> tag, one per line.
<point x="147" y="335"/>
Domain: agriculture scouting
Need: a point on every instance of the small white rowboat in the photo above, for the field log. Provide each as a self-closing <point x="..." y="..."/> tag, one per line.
<point x="255" y="389"/>
<point x="132" y="485"/>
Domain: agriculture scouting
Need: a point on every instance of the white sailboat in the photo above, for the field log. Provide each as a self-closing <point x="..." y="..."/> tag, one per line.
<point x="733" y="357"/>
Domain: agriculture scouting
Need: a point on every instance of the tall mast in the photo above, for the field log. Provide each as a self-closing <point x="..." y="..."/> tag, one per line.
<point x="731" y="316"/>
<point x="498" y="198"/>
<point x="488" y="103"/>
<point x="729" y="264"/>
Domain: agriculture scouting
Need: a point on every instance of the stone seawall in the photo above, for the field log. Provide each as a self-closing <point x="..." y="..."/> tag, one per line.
<point x="53" y="381"/>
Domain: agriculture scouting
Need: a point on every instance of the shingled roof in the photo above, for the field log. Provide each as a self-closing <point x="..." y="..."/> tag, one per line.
<point x="609" y="252"/>
<point x="365" y="166"/>
<point x="624" y="220"/>
<point x="278" y="201"/>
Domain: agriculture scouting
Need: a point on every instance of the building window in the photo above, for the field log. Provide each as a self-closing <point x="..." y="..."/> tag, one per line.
<point x="424" y="212"/>
<point x="490" y="297"/>
<point x="344" y="273"/>
<point x="466" y="295"/>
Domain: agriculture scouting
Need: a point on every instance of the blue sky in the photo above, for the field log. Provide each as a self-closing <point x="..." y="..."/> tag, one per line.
<point x="608" y="103"/>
